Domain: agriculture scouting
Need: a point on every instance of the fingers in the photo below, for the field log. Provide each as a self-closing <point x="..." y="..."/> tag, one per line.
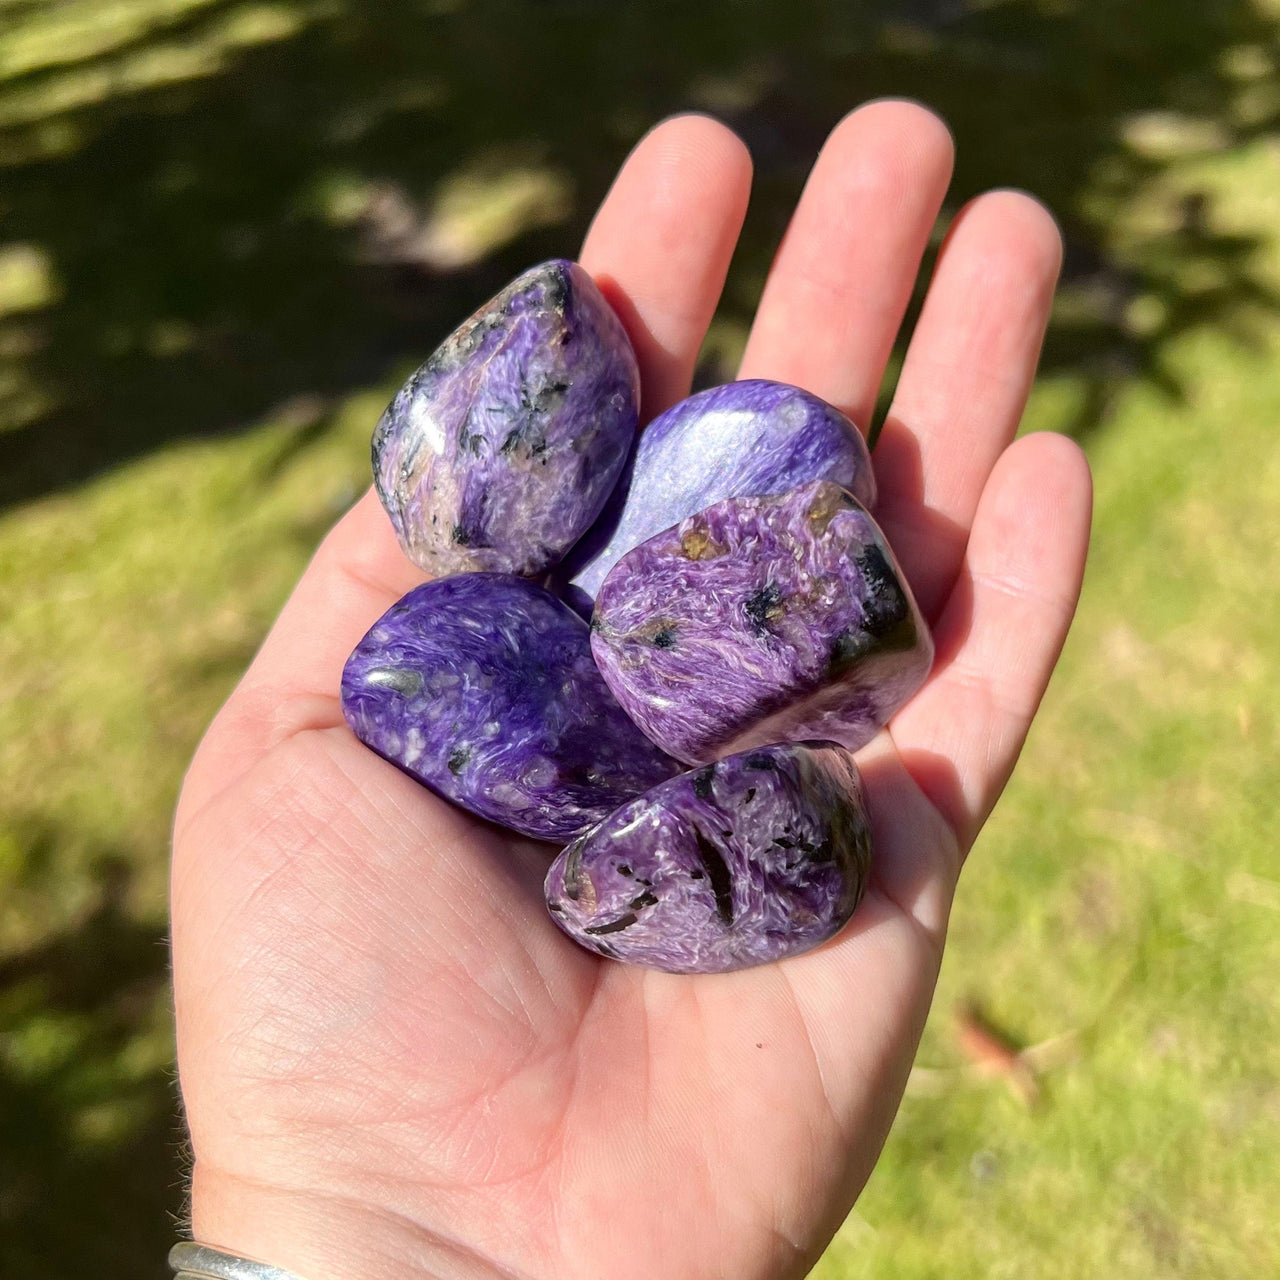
<point x="843" y="276"/>
<point x="661" y="243"/>
<point x="1001" y="631"/>
<point x="965" y="383"/>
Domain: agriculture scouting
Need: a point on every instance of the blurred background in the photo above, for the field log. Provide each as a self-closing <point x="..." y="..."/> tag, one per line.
<point x="227" y="231"/>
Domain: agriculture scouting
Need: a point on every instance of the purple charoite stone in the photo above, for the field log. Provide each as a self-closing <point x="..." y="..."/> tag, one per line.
<point x="500" y="451"/>
<point x="742" y="439"/>
<point x="482" y="687"/>
<point x="774" y="619"/>
<point x="761" y="856"/>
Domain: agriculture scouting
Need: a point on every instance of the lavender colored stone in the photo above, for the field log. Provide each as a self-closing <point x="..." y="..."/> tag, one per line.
<point x="762" y="620"/>
<point x="500" y="451"/>
<point x="761" y="856"/>
<point x="739" y="440"/>
<point x="482" y="687"/>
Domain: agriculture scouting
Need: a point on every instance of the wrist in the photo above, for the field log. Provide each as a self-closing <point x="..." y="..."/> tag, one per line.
<point x="325" y="1237"/>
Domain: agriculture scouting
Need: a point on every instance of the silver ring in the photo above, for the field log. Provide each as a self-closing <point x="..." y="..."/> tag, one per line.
<point x="192" y="1261"/>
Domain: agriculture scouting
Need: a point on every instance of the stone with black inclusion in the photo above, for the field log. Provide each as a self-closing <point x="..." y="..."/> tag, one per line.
<point x="482" y="687"/>
<point x="761" y="856"/>
<point x="500" y="451"/>
<point x="759" y="620"/>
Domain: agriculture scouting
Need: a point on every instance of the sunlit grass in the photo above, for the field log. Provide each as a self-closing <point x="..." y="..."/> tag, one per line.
<point x="1124" y="904"/>
<point x="67" y="56"/>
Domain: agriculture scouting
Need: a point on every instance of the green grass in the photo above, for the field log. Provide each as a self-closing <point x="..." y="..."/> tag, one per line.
<point x="1126" y="895"/>
<point x="130" y="607"/>
<point x="1121" y="915"/>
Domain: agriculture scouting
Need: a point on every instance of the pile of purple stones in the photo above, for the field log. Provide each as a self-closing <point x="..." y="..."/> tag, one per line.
<point x="746" y="618"/>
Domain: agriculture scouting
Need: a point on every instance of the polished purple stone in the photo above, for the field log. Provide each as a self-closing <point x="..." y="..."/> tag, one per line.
<point x="761" y="856"/>
<point x="500" y="451"/>
<point x="774" y="619"/>
<point x="482" y="687"/>
<point x="742" y="439"/>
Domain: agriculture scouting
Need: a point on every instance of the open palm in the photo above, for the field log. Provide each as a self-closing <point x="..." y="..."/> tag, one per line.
<point x="393" y="1063"/>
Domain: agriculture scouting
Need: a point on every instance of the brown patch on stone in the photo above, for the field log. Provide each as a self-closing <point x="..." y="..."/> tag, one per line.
<point x="578" y="885"/>
<point x="698" y="544"/>
<point x="823" y="509"/>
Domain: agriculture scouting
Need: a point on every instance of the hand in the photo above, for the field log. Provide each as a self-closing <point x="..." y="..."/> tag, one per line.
<point x="393" y="1063"/>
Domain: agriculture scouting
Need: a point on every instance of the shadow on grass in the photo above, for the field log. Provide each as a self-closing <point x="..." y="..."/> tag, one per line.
<point x="216" y="210"/>
<point x="89" y="1130"/>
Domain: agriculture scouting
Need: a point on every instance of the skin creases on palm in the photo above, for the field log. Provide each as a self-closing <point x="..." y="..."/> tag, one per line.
<point x="392" y="1062"/>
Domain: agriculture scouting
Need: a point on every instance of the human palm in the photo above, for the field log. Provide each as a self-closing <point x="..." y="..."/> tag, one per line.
<point x="393" y="1063"/>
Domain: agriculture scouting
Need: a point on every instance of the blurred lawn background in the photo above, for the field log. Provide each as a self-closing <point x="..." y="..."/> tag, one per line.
<point x="227" y="231"/>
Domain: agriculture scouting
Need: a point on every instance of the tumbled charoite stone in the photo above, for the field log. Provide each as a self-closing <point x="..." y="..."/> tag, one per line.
<point x="482" y="687"/>
<point x="761" y="620"/>
<point x="739" y="440"/>
<point x="500" y="451"/>
<point x="761" y="856"/>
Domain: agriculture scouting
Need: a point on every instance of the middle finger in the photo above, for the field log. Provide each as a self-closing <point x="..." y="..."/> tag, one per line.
<point x="843" y="275"/>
